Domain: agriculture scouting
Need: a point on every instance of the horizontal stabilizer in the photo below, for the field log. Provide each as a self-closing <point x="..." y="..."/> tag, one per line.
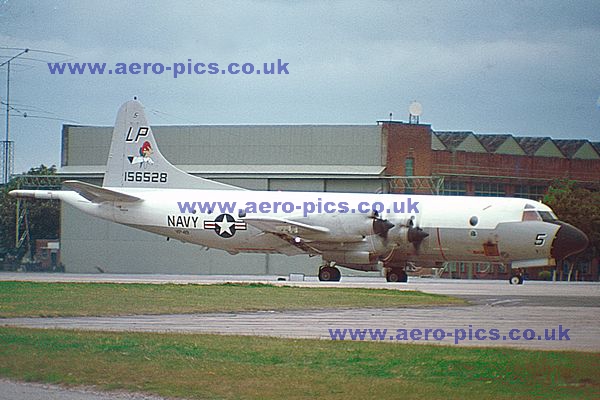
<point x="96" y="194"/>
<point x="36" y="194"/>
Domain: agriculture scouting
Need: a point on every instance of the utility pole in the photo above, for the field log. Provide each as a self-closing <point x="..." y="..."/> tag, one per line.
<point x="6" y="170"/>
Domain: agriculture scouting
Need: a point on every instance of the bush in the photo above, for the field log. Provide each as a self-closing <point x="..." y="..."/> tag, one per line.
<point x="545" y="275"/>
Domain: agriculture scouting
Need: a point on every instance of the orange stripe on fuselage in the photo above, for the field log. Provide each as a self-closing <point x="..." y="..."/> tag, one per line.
<point x="439" y="241"/>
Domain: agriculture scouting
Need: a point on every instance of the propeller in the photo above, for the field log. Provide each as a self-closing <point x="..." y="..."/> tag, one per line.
<point x="416" y="234"/>
<point x="381" y="227"/>
<point x="401" y="230"/>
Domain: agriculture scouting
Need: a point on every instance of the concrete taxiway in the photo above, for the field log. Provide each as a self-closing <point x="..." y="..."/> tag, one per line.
<point x="538" y="307"/>
<point x="10" y="390"/>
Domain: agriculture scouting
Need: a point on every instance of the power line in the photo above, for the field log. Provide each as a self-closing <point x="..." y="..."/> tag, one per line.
<point x="24" y="110"/>
<point x="8" y="160"/>
<point x="35" y="51"/>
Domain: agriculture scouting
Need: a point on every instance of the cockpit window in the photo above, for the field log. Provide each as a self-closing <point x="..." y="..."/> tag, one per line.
<point x="547" y="216"/>
<point x="531" y="215"/>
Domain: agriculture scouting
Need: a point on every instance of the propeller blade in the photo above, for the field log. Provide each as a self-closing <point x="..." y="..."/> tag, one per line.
<point x="416" y="235"/>
<point x="381" y="227"/>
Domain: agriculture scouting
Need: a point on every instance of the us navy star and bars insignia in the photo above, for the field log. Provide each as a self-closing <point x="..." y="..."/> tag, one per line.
<point x="225" y="225"/>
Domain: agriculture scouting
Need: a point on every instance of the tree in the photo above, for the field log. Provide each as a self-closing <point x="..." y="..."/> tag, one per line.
<point x="579" y="207"/>
<point x="43" y="216"/>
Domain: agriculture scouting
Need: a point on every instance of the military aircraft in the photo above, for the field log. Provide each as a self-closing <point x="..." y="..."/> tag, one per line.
<point x="366" y="232"/>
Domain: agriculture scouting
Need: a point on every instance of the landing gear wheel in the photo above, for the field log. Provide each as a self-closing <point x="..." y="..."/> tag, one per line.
<point x="338" y="275"/>
<point x="516" y="280"/>
<point x="330" y="274"/>
<point x="396" y="275"/>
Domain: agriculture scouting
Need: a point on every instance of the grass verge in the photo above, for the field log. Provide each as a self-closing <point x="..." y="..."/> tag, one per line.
<point x="33" y="299"/>
<point x="233" y="367"/>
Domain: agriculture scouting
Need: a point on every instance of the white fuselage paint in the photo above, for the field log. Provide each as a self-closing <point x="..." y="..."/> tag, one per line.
<point x="445" y="218"/>
<point x="141" y="189"/>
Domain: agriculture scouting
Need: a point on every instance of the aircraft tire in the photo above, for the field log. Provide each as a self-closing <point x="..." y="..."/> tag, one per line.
<point x="516" y="280"/>
<point x="329" y="274"/>
<point x="396" y="275"/>
<point x="338" y="274"/>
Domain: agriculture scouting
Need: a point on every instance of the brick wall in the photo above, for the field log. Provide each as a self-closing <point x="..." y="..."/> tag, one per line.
<point x="511" y="166"/>
<point x="407" y="140"/>
<point x="402" y="140"/>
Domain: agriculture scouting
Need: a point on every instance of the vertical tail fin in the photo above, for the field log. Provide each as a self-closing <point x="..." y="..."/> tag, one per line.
<point x="135" y="160"/>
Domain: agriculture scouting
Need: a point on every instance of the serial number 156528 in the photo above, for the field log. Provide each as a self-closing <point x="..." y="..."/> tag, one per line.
<point x="141" y="176"/>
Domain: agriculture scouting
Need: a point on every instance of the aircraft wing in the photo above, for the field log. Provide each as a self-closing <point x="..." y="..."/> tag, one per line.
<point x="287" y="227"/>
<point x="297" y="234"/>
<point x="97" y="194"/>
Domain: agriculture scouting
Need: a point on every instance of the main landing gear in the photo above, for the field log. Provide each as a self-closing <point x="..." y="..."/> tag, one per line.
<point x="329" y="273"/>
<point x="396" y="275"/>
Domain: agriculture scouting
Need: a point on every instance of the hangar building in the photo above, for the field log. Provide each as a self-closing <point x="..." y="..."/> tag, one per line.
<point x="390" y="156"/>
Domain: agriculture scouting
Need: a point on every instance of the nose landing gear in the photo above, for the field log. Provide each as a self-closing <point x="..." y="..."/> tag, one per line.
<point x="516" y="278"/>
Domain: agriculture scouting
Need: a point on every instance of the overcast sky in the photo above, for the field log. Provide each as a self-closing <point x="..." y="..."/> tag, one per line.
<point x="526" y="68"/>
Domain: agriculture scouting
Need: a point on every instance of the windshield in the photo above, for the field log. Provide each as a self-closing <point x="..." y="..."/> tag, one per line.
<point x="535" y="215"/>
<point x="547" y="216"/>
<point x="531" y="215"/>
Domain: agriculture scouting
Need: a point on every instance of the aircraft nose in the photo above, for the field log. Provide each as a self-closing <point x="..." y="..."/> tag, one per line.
<point x="568" y="241"/>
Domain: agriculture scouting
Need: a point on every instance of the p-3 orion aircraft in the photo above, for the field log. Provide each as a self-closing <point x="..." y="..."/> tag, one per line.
<point x="366" y="232"/>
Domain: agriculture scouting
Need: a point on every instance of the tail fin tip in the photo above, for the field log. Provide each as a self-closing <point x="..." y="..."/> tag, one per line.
<point x="135" y="161"/>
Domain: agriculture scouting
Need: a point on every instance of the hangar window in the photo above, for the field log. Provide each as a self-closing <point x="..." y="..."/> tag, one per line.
<point x="454" y="188"/>
<point x="494" y="189"/>
<point x="535" y="192"/>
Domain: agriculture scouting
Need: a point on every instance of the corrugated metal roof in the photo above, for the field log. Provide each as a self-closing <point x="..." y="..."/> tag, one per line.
<point x="492" y="142"/>
<point x="452" y="139"/>
<point x="436" y="143"/>
<point x="531" y="144"/>
<point x="569" y="147"/>
<point x="242" y="144"/>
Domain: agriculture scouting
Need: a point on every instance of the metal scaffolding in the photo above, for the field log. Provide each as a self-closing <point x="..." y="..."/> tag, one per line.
<point x="7" y="157"/>
<point x="416" y="184"/>
<point x="29" y="182"/>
